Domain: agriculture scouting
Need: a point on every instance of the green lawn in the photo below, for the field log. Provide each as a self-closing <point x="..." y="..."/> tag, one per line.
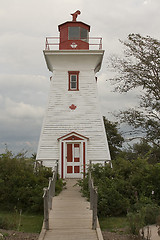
<point x="113" y="224"/>
<point x="25" y="222"/>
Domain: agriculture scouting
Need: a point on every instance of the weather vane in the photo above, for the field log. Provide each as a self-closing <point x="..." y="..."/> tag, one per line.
<point x="75" y="15"/>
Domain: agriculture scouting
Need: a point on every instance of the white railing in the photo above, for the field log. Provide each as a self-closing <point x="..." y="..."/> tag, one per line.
<point x="52" y="43"/>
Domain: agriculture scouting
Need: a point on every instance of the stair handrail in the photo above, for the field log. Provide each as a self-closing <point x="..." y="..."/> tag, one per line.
<point x="93" y="200"/>
<point x="48" y="194"/>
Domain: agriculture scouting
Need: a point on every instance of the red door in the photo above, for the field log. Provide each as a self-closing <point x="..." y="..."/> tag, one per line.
<point x="73" y="160"/>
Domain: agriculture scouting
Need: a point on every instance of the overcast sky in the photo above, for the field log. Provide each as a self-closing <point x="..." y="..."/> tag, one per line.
<point x="24" y="77"/>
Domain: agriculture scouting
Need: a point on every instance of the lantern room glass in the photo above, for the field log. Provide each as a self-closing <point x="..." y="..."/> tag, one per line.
<point x="78" y="33"/>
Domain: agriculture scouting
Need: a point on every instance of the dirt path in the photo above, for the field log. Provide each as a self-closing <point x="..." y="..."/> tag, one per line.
<point x="14" y="235"/>
<point x="116" y="236"/>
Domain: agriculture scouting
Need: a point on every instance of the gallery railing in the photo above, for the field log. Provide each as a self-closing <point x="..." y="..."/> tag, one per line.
<point x="52" y="43"/>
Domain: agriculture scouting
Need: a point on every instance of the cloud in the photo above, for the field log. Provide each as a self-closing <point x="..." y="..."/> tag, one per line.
<point x="111" y="101"/>
<point x="30" y="89"/>
<point x="21" y="110"/>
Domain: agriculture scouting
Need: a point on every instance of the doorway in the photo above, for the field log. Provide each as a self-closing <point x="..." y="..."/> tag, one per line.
<point x="73" y="160"/>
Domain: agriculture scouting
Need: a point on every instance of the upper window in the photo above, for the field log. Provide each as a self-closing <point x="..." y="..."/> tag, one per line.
<point x="78" y="33"/>
<point x="73" y="83"/>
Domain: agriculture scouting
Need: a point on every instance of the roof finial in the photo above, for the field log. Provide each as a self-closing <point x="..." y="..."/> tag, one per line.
<point x="75" y="15"/>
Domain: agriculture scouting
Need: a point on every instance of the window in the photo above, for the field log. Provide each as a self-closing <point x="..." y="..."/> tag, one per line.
<point x="84" y="34"/>
<point x="78" y="33"/>
<point x="73" y="81"/>
<point x="73" y="33"/>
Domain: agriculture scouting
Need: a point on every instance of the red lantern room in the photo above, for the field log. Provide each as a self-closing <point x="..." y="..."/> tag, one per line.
<point x="74" y="34"/>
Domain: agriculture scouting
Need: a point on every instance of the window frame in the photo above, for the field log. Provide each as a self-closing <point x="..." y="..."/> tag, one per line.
<point x="71" y="73"/>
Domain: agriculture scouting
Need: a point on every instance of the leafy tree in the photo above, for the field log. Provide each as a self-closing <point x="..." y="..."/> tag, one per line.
<point x="143" y="150"/>
<point x="115" y="140"/>
<point x="140" y="68"/>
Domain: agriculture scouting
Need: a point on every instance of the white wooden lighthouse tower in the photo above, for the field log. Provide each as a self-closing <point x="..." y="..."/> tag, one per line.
<point x="73" y="132"/>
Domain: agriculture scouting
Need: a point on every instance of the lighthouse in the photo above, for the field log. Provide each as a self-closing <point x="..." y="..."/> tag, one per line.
<point x="73" y="133"/>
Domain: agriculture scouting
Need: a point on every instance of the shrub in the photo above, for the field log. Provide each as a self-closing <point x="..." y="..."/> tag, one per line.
<point x="59" y="185"/>
<point x="20" y="186"/>
<point x="145" y="213"/>
<point x="126" y="187"/>
<point x="136" y="222"/>
<point x="84" y="187"/>
<point x="6" y="223"/>
<point x="110" y="201"/>
<point x="151" y="213"/>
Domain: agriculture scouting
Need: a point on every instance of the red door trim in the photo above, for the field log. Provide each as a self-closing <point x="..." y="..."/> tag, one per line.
<point x="67" y="136"/>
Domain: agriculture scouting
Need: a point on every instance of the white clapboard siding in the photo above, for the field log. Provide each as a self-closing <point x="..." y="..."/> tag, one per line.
<point x="86" y="119"/>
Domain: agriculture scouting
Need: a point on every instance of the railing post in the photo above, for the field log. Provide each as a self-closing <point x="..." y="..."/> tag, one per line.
<point x="94" y="222"/>
<point x="46" y="211"/>
<point x="50" y="193"/>
<point x="90" y="190"/>
<point x="54" y="184"/>
<point x="93" y="200"/>
<point x="92" y="195"/>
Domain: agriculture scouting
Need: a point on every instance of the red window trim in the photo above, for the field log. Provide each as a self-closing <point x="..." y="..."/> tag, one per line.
<point x="69" y="80"/>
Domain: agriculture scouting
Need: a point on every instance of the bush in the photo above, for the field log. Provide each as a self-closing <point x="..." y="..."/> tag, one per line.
<point x="128" y="186"/>
<point x="6" y="223"/>
<point x="136" y="222"/>
<point x="59" y="185"/>
<point x="110" y="201"/>
<point x="151" y="214"/>
<point x="145" y="212"/>
<point x="20" y="186"/>
<point x="84" y="187"/>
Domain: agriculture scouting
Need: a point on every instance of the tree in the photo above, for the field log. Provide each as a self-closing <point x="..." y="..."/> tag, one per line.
<point x="115" y="140"/>
<point x="140" y="68"/>
<point x="142" y="149"/>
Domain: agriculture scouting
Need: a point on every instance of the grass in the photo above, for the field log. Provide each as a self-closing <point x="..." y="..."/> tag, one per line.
<point x="114" y="224"/>
<point x="24" y="223"/>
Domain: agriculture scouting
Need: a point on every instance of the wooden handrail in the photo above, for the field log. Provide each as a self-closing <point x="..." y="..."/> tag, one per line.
<point x="49" y="193"/>
<point x="93" y="200"/>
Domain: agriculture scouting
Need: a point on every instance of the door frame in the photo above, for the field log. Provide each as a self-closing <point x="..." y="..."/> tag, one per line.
<point x="73" y="160"/>
<point x="72" y="138"/>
